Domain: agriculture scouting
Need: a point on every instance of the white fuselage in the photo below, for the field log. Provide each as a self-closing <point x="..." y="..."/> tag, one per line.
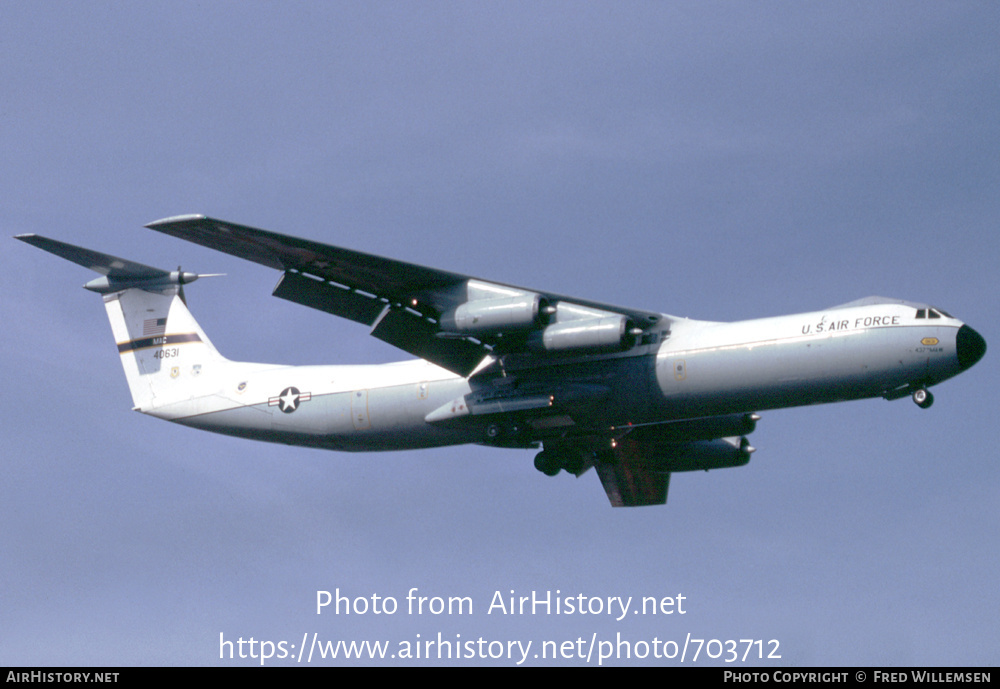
<point x="700" y="369"/>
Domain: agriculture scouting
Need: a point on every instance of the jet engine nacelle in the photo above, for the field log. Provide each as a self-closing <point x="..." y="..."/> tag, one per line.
<point x="708" y="428"/>
<point x="507" y="313"/>
<point x="609" y="332"/>
<point x="697" y="455"/>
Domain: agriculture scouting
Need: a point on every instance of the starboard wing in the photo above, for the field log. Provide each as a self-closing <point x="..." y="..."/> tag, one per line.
<point x="450" y="319"/>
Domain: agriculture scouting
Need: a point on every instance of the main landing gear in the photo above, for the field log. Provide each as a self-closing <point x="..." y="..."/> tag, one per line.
<point x="923" y="398"/>
<point x="551" y="462"/>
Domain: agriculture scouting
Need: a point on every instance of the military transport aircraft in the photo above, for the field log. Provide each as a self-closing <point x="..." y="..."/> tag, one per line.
<point x="634" y="394"/>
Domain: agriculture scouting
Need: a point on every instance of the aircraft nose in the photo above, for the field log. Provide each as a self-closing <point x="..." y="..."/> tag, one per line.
<point x="971" y="346"/>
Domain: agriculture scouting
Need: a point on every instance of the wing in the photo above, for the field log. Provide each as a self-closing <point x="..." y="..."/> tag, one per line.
<point x="636" y="469"/>
<point x="629" y="485"/>
<point x="450" y="319"/>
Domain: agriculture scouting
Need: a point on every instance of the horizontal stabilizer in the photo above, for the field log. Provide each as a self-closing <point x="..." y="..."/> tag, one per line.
<point x="119" y="273"/>
<point x="108" y="266"/>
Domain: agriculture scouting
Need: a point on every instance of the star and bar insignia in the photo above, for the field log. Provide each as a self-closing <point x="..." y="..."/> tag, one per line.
<point x="289" y="399"/>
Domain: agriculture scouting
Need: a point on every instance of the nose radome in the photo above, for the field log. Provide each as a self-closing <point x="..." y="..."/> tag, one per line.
<point x="971" y="346"/>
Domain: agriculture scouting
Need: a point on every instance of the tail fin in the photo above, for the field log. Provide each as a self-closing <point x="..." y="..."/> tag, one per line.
<point x="158" y="339"/>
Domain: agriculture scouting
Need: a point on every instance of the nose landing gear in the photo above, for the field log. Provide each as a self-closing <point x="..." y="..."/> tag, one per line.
<point x="923" y="398"/>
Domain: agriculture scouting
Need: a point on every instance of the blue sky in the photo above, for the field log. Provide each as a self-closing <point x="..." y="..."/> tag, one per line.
<point x="718" y="161"/>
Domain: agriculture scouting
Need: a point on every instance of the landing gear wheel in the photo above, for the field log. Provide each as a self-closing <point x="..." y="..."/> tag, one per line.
<point x="547" y="463"/>
<point x="573" y="463"/>
<point x="923" y="398"/>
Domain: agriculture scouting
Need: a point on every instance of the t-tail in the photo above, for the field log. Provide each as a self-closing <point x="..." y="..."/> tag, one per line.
<point x="151" y="324"/>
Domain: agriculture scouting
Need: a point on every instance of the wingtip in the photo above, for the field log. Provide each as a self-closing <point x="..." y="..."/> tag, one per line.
<point x="175" y="219"/>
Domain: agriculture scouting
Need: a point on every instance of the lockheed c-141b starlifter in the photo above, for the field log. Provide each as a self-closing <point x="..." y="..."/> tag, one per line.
<point x="634" y="394"/>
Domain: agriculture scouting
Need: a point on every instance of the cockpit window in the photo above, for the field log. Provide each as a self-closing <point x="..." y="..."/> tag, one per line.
<point x="932" y="313"/>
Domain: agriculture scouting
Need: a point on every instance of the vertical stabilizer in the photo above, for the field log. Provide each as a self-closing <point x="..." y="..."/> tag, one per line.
<point x="163" y="350"/>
